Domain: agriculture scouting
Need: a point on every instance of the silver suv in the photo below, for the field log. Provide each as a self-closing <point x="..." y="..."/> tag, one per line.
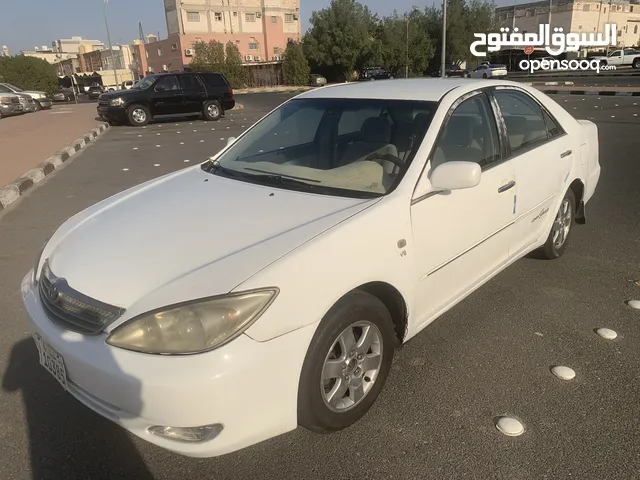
<point x="10" y="105"/>
<point x="41" y="98"/>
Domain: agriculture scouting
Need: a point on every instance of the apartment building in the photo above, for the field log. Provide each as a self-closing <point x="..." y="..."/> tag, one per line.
<point x="259" y="28"/>
<point x="576" y="17"/>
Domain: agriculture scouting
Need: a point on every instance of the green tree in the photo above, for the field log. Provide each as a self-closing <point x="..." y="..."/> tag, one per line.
<point x="29" y="73"/>
<point x="341" y="38"/>
<point x="208" y="57"/>
<point x="295" y="67"/>
<point x="235" y="72"/>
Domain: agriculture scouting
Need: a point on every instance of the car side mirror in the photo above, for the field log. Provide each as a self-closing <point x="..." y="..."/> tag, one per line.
<point x="230" y="140"/>
<point x="455" y="175"/>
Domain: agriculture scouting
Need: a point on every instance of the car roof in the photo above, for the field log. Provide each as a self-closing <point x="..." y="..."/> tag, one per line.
<point x="424" y="89"/>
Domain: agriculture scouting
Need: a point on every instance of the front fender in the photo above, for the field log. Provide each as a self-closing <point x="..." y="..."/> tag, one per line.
<point x="362" y="249"/>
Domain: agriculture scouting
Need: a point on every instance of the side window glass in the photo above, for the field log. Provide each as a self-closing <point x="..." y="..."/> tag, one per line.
<point x="552" y="126"/>
<point x="470" y="135"/>
<point x="190" y="82"/>
<point x="351" y="120"/>
<point x="4" y="89"/>
<point x="523" y="117"/>
<point x="168" y="83"/>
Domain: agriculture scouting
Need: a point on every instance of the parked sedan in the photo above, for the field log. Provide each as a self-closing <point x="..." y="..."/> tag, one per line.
<point x="488" y="70"/>
<point x="10" y="105"/>
<point x="28" y="103"/>
<point x="41" y="98"/>
<point x="64" y="95"/>
<point x="284" y="307"/>
<point x="375" y="73"/>
<point x="317" y="80"/>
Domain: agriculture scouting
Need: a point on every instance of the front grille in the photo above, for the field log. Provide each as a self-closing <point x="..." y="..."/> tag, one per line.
<point x="15" y="100"/>
<point x="71" y="309"/>
<point x="103" y="102"/>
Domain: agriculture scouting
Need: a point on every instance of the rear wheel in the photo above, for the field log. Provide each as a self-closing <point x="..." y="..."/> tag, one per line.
<point x="138" y="115"/>
<point x="212" y="110"/>
<point x="561" y="228"/>
<point x="636" y="63"/>
<point x="484" y="75"/>
<point x="347" y="363"/>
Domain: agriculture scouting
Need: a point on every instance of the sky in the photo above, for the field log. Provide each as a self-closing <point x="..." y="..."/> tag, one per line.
<point x="48" y="20"/>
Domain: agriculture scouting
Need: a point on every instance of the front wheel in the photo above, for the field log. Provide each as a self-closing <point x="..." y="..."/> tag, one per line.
<point x="636" y="63"/>
<point x="138" y="115"/>
<point x="557" y="239"/>
<point x="38" y="106"/>
<point x="347" y="363"/>
<point x="212" y="110"/>
<point x="484" y="75"/>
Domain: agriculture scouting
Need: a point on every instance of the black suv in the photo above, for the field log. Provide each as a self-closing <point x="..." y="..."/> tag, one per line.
<point x="94" y="91"/>
<point x="374" y="73"/>
<point x="184" y="93"/>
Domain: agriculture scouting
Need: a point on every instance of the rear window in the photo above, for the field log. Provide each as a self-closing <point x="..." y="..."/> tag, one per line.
<point x="215" y="80"/>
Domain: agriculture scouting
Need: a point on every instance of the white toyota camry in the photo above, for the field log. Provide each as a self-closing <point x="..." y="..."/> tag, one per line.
<point x="227" y="303"/>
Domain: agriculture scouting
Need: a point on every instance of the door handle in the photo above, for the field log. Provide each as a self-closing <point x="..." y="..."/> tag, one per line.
<point x="566" y="154"/>
<point x="507" y="186"/>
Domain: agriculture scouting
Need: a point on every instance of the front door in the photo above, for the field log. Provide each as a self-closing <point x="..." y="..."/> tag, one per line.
<point x="194" y="93"/>
<point x="462" y="236"/>
<point x="542" y="156"/>
<point x="167" y="97"/>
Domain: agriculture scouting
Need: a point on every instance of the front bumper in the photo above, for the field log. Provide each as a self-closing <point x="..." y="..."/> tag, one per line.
<point x="108" y="113"/>
<point x="250" y="387"/>
<point x="13" y="109"/>
<point x="45" y="102"/>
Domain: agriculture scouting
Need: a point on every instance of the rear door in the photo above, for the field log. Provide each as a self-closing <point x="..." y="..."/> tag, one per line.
<point x="542" y="156"/>
<point x="167" y="96"/>
<point x="194" y="93"/>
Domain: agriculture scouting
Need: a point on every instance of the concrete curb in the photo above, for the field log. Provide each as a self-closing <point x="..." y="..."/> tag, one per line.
<point x="12" y="192"/>
<point x="602" y="93"/>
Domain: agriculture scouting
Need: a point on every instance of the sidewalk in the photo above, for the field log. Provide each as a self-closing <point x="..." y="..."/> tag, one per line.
<point x="29" y="139"/>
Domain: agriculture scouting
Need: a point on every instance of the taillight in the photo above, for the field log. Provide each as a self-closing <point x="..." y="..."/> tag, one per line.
<point x="231" y="93"/>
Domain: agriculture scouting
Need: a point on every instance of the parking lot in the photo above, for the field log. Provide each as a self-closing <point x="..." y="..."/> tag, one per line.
<point x="487" y="357"/>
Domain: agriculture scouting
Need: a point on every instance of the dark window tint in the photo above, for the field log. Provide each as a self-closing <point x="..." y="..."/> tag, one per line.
<point x="190" y="82"/>
<point x="523" y="116"/>
<point x="214" y="80"/>
<point x="552" y="126"/>
<point x="4" y="89"/>
<point x="469" y="135"/>
<point x="169" y="82"/>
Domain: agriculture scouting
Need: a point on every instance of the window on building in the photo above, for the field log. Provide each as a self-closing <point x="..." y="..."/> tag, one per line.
<point x="250" y="17"/>
<point x="631" y="8"/>
<point x="217" y="16"/>
<point x="253" y="46"/>
<point x="585" y="8"/>
<point x="274" y="19"/>
<point x="159" y="52"/>
<point x="288" y="17"/>
<point x="635" y="29"/>
<point x="174" y="47"/>
<point x="605" y="10"/>
<point x="579" y="27"/>
<point x="193" y="16"/>
<point x="235" y="14"/>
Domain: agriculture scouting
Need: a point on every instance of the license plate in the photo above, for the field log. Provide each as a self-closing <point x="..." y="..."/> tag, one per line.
<point x="51" y="360"/>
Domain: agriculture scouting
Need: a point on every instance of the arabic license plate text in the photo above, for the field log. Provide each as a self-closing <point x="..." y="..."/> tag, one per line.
<point x="51" y="360"/>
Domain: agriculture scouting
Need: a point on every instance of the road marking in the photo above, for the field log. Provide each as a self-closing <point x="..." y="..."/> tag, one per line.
<point x="181" y="143"/>
<point x="135" y="148"/>
<point x="563" y="373"/>
<point x="125" y="169"/>
<point x="201" y="141"/>
<point x="510" y="426"/>
<point x="187" y="161"/>
<point x="156" y="164"/>
<point x="607" y="333"/>
<point x="158" y="146"/>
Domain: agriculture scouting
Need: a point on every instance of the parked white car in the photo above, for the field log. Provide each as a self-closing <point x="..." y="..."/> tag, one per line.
<point x="488" y="70"/>
<point x="621" y="58"/>
<point x="281" y="274"/>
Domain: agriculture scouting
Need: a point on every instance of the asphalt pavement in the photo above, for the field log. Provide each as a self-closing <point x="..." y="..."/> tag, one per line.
<point x="488" y="356"/>
<point x="595" y="80"/>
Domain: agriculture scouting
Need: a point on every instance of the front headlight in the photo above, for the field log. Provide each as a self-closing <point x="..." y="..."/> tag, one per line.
<point x="5" y="100"/>
<point x="194" y="327"/>
<point x="37" y="265"/>
<point x="117" y="102"/>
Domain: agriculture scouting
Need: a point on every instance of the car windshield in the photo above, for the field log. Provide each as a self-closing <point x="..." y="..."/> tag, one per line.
<point x="146" y="82"/>
<point x="14" y="88"/>
<point x="344" y="147"/>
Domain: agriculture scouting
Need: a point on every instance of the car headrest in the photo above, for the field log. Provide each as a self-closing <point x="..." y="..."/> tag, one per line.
<point x="376" y="130"/>
<point x="421" y="122"/>
<point x="516" y="125"/>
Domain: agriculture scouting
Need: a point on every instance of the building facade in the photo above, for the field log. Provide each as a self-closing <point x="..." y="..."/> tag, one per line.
<point x="259" y="28"/>
<point x="76" y="44"/>
<point x="576" y="17"/>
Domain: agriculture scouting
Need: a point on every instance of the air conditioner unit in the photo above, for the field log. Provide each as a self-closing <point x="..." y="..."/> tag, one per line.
<point x="257" y="58"/>
<point x="248" y="58"/>
<point x="188" y="52"/>
<point x="258" y="15"/>
<point x="295" y="17"/>
<point x="277" y="58"/>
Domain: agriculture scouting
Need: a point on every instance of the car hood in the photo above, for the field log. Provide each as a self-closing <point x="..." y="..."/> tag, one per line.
<point x="189" y="234"/>
<point x="33" y="92"/>
<point x="118" y="93"/>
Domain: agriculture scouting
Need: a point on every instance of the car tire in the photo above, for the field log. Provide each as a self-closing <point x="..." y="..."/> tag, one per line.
<point x="138" y="115"/>
<point x="560" y="230"/>
<point x="484" y="75"/>
<point x="212" y="110"/>
<point x="636" y="63"/>
<point x="361" y="316"/>
<point x="38" y="106"/>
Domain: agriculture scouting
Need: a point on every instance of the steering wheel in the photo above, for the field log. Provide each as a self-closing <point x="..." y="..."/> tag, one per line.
<point x="386" y="156"/>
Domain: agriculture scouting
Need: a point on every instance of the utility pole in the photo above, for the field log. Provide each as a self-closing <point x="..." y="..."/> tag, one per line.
<point x="549" y="21"/>
<point x="113" y="61"/>
<point x="406" y="68"/>
<point x="444" y="37"/>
